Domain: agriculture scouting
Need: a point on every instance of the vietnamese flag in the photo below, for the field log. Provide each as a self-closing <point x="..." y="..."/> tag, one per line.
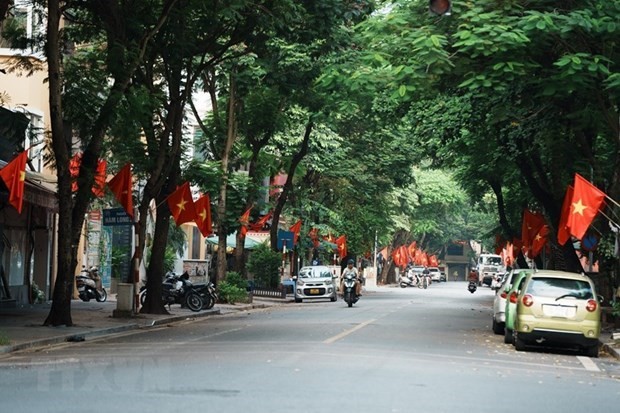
<point x="244" y="220"/>
<point x="295" y="229"/>
<point x="181" y="204"/>
<point x="563" y="230"/>
<point x="100" y="174"/>
<point x="258" y="225"/>
<point x="14" y="175"/>
<point x="341" y="243"/>
<point x="314" y="236"/>
<point x="121" y="186"/>
<point x="532" y="223"/>
<point x="539" y="241"/>
<point x="585" y="204"/>
<point x="203" y="215"/>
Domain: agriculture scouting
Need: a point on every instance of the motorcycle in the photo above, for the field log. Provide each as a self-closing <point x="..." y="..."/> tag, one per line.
<point x="409" y="279"/>
<point x="472" y="287"/>
<point x="177" y="289"/>
<point x="350" y="296"/>
<point x="87" y="282"/>
<point x="208" y="293"/>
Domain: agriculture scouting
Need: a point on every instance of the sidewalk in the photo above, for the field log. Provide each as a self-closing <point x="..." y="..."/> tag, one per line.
<point x="22" y="327"/>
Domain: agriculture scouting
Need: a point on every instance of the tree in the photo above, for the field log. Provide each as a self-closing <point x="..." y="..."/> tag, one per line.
<point x="127" y="44"/>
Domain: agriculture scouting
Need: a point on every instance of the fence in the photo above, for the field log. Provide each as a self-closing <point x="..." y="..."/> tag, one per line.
<point x="279" y="292"/>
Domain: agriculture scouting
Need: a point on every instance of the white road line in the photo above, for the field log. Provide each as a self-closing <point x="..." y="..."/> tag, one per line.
<point x="347" y="332"/>
<point x="588" y="363"/>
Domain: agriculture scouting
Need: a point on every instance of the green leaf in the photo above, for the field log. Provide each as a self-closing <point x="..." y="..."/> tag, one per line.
<point x="402" y="90"/>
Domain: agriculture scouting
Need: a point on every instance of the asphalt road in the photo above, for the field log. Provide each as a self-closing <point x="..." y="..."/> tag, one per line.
<point x="397" y="350"/>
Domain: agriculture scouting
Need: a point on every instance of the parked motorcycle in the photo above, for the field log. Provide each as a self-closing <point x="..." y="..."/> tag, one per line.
<point x="350" y="296"/>
<point x="208" y="293"/>
<point x="177" y="289"/>
<point x="89" y="286"/>
<point x="472" y="287"/>
<point x="410" y="280"/>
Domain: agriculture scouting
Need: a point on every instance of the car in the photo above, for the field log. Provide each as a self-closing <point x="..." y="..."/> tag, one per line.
<point x="435" y="274"/>
<point x="316" y="282"/>
<point x="558" y="309"/>
<point x="512" y="292"/>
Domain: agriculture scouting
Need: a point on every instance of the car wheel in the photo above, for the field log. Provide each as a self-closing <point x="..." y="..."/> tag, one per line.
<point x="508" y="338"/>
<point x="498" y="328"/>
<point x="298" y="300"/>
<point x="591" y="351"/>
<point x="334" y="298"/>
<point x="519" y="344"/>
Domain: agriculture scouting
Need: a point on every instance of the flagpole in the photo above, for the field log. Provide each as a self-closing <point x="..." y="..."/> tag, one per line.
<point x="612" y="200"/>
<point x="605" y="215"/>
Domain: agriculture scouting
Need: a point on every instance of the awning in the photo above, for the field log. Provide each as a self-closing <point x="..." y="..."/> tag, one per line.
<point x="231" y="241"/>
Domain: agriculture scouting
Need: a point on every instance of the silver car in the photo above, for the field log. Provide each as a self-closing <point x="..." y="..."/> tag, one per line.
<point x="316" y="282"/>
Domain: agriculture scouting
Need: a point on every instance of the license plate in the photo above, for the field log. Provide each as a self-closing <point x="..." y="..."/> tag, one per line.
<point x="314" y="291"/>
<point x="559" y="311"/>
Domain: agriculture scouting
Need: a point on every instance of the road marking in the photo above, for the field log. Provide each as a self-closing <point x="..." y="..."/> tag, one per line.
<point x="347" y="332"/>
<point x="588" y="363"/>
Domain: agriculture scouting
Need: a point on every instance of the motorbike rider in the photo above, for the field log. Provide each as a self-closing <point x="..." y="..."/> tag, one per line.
<point x="473" y="276"/>
<point x="351" y="269"/>
<point x="93" y="274"/>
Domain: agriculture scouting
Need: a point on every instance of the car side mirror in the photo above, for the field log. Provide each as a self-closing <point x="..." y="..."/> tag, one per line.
<point x="294" y="278"/>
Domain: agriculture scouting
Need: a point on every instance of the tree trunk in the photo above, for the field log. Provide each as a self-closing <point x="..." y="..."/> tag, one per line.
<point x="60" y="312"/>
<point x="231" y="136"/>
<point x="297" y="158"/>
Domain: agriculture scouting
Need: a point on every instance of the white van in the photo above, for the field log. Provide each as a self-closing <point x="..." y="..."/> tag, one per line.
<point x="488" y="266"/>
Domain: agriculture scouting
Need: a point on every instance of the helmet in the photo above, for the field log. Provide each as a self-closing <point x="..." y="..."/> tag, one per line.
<point x="350" y="262"/>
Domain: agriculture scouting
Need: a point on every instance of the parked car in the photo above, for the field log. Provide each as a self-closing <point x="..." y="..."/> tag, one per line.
<point x="557" y="308"/>
<point x="316" y="282"/>
<point x="511" y="303"/>
<point x="499" y="303"/>
<point x="435" y="274"/>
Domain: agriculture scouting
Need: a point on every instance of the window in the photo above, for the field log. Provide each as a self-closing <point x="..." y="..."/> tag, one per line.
<point x="23" y="21"/>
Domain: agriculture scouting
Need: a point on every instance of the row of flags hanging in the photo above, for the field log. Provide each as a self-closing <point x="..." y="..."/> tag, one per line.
<point x="182" y="206"/>
<point x="408" y="254"/>
<point x="582" y="203"/>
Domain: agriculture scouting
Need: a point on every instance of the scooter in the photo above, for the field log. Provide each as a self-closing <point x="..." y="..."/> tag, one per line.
<point x="86" y="284"/>
<point x="350" y="296"/>
<point x="472" y="287"/>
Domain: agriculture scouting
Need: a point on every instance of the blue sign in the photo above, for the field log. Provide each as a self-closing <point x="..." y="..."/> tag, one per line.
<point x="589" y="242"/>
<point x="285" y="238"/>
<point x="116" y="216"/>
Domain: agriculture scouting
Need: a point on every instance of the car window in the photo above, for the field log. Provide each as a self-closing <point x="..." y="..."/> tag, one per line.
<point x="560" y="288"/>
<point x="323" y="274"/>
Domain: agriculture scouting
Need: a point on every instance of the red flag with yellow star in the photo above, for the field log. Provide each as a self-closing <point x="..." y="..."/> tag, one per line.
<point x="203" y="215"/>
<point x="121" y="186"/>
<point x="586" y="201"/>
<point x="244" y="220"/>
<point x="341" y="243"/>
<point x="563" y="230"/>
<point x="295" y="229"/>
<point x="14" y="176"/>
<point x="181" y="204"/>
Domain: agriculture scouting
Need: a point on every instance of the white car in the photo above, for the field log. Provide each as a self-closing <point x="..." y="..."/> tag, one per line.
<point x="435" y="274"/>
<point x="316" y="282"/>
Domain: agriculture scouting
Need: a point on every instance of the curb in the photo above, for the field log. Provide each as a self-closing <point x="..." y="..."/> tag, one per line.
<point x="44" y="342"/>
<point x="611" y="350"/>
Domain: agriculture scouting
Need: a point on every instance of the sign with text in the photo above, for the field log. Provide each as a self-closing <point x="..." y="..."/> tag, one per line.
<point x="116" y="216"/>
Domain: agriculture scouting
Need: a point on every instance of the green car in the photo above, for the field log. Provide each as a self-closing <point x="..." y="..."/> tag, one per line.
<point x="512" y="292"/>
<point x="558" y="309"/>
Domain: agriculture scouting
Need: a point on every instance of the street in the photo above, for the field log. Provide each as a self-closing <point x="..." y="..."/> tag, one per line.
<point x="396" y="350"/>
